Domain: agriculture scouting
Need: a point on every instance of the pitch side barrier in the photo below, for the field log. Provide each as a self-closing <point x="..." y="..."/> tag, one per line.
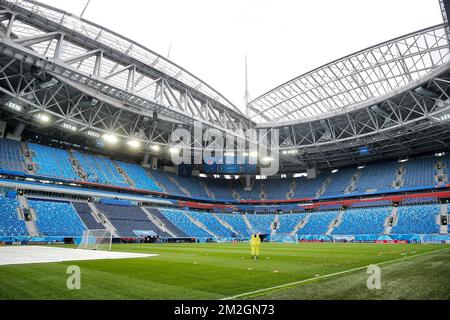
<point x="378" y="239"/>
<point x="375" y="239"/>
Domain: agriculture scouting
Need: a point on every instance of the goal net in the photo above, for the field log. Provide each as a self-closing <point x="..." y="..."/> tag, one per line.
<point x="344" y="239"/>
<point x="284" y="237"/>
<point x="96" y="240"/>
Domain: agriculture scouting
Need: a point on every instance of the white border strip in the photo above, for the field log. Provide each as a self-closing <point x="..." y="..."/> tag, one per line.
<point x="327" y="276"/>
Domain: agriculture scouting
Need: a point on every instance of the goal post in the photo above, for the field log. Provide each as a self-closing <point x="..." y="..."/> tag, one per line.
<point x="284" y="238"/>
<point x="344" y="239"/>
<point x="96" y="240"/>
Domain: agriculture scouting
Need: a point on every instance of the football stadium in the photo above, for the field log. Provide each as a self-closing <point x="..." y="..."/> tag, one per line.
<point x="124" y="176"/>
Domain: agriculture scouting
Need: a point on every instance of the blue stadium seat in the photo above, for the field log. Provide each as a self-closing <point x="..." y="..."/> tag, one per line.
<point x="85" y="214"/>
<point x="11" y="158"/>
<point x="308" y="188"/>
<point x="100" y="170"/>
<point x="236" y="222"/>
<point x="52" y="162"/>
<point x="140" y="177"/>
<point x="178" y="218"/>
<point x="10" y="225"/>
<point x="417" y="220"/>
<point x="57" y="218"/>
<point x="288" y="222"/>
<point x="211" y="223"/>
<point x="420" y="172"/>
<point x="163" y="178"/>
<point x="376" y="177"/>
<point x="253" y="194"/>
<point x="318" y="223"/>
<point x="127" y="220"/>
<point x="363" y="221"/>
<point x="261" y="223"/>
<point x="220" y="189"/>
<point x="339" y="182"/>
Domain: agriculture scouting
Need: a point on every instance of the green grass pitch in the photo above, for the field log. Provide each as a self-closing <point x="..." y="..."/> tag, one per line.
<point x="219" y="271"/>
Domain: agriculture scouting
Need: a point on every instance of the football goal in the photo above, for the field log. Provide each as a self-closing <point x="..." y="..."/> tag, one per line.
<point x="284" y="238"/>
<point x="344" y="239"/>
<point x="96" y="240"/>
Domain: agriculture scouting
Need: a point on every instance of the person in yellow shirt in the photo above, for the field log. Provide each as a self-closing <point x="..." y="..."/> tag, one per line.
<point x="255" y="243"/>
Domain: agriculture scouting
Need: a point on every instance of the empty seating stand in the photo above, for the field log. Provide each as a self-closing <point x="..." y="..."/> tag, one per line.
<point x="363" y="221"/>
<point x="221" y="189"/>
<point x="417" y="219"/>
<point x="376" y="177"/>
<point x="288" y="222"/>
<point x="140" y="177"/>
<point x="167" y="223"/>
<point x="85" y="213"/>
<point x="308" y="188"/>
<point x="318" y="223"/>
<point x="236" y="222"/>
<point x="340" y="181"/>
<point x="277" y="189"/>
<point x="178" y="218"/>
<point x="10" y="225"/>
<point x="211" y="223"/>
<point x="11" y="158"/>
<point x="52" y="162"/>
<point x="163" y="179"/>
<point x="128" y="220"/>
<point x="100" y="170"/>
<point x="253" y="194"/>
<point x="420" y="172"/>
<point x="57" y="219"/>
<point x="261" y="223"/>
<point x="56" y="163"/>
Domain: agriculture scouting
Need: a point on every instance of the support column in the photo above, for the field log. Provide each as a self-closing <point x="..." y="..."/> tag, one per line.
<point x="145" y="160"/>
<point x="17" y="133"/>
<point x="248" y="182"/>
<point x="155" y="163"/>
<point x="19" y="129"/>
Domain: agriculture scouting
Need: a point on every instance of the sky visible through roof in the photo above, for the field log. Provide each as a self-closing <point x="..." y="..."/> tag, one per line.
<point x="282" y="38"/>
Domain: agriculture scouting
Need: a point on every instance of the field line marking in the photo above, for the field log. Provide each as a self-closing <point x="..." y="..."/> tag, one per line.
<point x="328" y="275"/>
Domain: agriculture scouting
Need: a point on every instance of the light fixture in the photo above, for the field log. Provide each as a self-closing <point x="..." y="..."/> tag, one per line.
<point x="300" y="175"/>
<point x="267" y="160"/>
<point x="289" y="152"/>
<point x="13" y="106"/>
<point x="361" y="167"/>
<point x="155" y="148"/>
<point x="403" y="160"/>
<point x="174" y="150"/>
<point x="42" y="117"/>
<point x="69" y="127"/>
<point x="335" y="171"/>
<point x="134" y="144"/>
<point x="110" y="138"/>
<point x="93" y="134"/>
<point x="445" y="117"/>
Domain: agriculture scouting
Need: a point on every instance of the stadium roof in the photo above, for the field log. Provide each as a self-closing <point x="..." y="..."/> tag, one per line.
<point x="109" y="38"/>
<point x="391" y="99"/>
<point x="354" y="79"/>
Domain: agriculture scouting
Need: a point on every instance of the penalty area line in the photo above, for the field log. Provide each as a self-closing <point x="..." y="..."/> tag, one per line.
<point x="328" y="275"/>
